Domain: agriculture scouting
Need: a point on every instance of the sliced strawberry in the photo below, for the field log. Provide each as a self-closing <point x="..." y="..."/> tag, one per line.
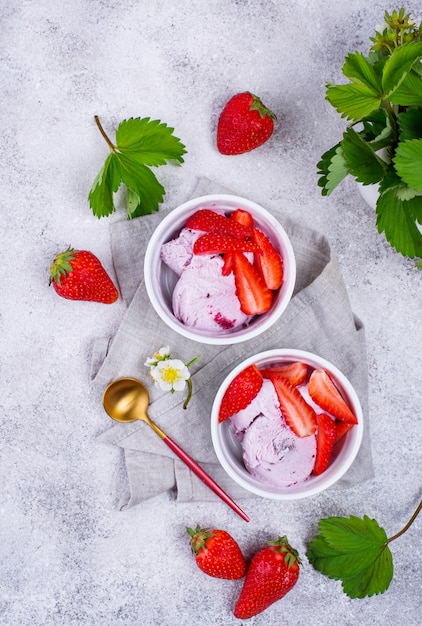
<point x="295" y="373"/>
<point x="324" y="393"/>
<point x="242" y="217"/>
<point x="325" y="440"/>
<point x="341" y="429"/>
<point x="269" y="263"/>
<point x="216" y="243"/>
<point x="254" y="296"/>
<point x="212" y="222"/>
<point x="241" y="391"/>
<point x="228" y="264"/>
<point x="297" y="413"/>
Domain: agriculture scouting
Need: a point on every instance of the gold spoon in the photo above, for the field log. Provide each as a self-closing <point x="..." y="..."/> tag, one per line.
<point x="127" y="400"/>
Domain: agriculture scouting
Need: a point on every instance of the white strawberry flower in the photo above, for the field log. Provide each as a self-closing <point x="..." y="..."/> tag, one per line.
<point x="170" y="374"/>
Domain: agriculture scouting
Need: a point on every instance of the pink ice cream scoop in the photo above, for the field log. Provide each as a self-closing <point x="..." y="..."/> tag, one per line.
<point x="177" y="253"/>
<point x="265" y="402"/>
<point x="205" y="299"/>
<point x="202" y="298"/>
<point x="272" y="452"/>
<point x="274" y="455"/>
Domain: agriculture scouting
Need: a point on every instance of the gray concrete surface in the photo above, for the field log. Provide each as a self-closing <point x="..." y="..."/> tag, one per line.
<point x="67" y="554"/>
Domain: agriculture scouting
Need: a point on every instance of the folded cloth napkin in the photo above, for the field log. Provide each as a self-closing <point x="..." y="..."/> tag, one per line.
<point x="318" y="319"/>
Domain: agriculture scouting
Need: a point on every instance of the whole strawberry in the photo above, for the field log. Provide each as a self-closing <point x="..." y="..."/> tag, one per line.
<point x="272" y="572"/>
<point x="244" y="124"/>
<point x="79" y="275"/>
<point x="217" y="553"/>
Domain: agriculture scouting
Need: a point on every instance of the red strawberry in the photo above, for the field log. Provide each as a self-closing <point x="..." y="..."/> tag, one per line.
<point x="244" y="124"/>
<point x="295" y="373"/>
<point x="325" y="440"/>
<point x="240" y="393"/>
<point x="242" y="217"/>
<point x="273" y="572"/>
<point x="79" y="275"/>
<point x="217" y="553"/>
<point x="324" y="393"/>
<point x="228" y="263"/>
<point x="216" y="243"/>
<point x="269" y="263"/>
<point x="297" y="413"/>
<point x="341" y="429"/>
<point x="212" y="222"/>
<point x="254" y="296"/>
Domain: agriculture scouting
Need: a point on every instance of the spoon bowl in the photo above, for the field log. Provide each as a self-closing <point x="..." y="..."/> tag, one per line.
<point x="127" y="400"/>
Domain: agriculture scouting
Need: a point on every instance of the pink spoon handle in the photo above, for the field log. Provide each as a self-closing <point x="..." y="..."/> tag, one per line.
<point x="196" y="469"/>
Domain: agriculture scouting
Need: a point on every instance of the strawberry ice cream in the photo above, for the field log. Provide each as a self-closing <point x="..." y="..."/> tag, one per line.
<point x="272" y="452"/>
<point x="202" y="298"/>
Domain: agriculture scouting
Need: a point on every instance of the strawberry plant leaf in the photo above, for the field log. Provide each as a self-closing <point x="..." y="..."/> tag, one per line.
<point x="395" y="218"/>
<point x="105" y="184"/>
<point x="150" y="142"/>
<point x="361" y="160"/>
<point x="358" y="69"/>
<point x="140" y="144"/>
<point x="355" y="551"/>
<point x="408" y="162"/>
<point x="398" y="66"/>
<point x="331" y="169"/>
<point x="409" y="92"/>
<point x="410" y="123"/>
<point x="352" y="101"/>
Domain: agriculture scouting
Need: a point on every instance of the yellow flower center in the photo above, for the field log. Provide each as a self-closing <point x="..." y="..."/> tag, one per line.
<point x="170" y="375"/>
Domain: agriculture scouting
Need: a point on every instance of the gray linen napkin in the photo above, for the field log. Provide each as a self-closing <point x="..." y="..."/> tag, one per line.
<point x="318" y="319"/>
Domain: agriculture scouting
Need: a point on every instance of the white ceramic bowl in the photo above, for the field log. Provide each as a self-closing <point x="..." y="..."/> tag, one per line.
<point x="229" y="451"/>
<point x="160" y="280"/>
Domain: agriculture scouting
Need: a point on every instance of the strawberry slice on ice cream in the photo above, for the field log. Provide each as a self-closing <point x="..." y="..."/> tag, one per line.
<point x="240" y="392"/>
<point x="217" y="243"/>
<point x="297" y="413"/>
<point x="325" y="394"/>
<point x="325" y="440"/>
<point x="254" y="295"/>
<point x="269" y="262"/>
<point x="211" y="222"/>
<point x="295" y="373"/>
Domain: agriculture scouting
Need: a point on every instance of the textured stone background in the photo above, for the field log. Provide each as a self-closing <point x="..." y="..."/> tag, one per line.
<point x="67" y="554"/>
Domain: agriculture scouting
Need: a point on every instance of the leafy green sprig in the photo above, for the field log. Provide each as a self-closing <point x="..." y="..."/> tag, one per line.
<point x="383" y="104"/>
<point x="140" y="144"/>
<point x="356" y="551"/>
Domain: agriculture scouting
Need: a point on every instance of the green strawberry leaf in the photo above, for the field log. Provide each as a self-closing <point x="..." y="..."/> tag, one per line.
<point x="398" y="66"/>
<point x="361" y="160"/>
<point x="331" y="169"/>
<point x="140" y="180"/>
<point x="409" y="92"/>
<point x="141" y="143"/>
<point x="358" y="69"/>
<point x="408" y="162"/>
<point x="410" y="123"/>
<point x="105" y="184"/>
<point x="355" y="551"/>
<point x="353" y="101"/>
<point x="396" y="217"/>
<point x="149" y="142"/>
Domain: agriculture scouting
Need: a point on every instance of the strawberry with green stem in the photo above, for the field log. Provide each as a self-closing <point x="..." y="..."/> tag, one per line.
<point x="79" y="275"/>
<point x="245" y="123"/>
<point x="216" y="553"/>
<point x="272" y="573"/>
